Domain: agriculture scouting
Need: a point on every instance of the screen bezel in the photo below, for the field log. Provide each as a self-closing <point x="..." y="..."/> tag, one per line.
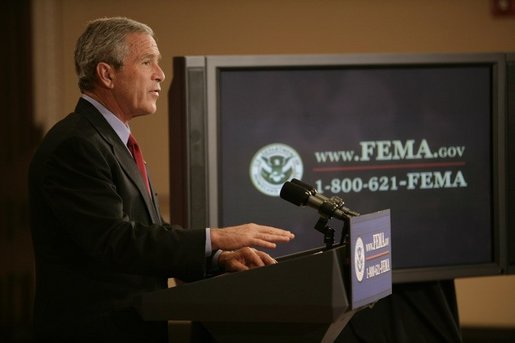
<point x="510" y="158"/>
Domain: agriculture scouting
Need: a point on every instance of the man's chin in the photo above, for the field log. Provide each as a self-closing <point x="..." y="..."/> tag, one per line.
<point x="146" y="112"/>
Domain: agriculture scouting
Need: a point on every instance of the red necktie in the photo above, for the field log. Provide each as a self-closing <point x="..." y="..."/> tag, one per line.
<point x="138" y="157"/>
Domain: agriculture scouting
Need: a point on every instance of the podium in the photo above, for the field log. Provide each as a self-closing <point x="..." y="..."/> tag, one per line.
<point x="306" y="297"/>
<point x="303" y="298"/>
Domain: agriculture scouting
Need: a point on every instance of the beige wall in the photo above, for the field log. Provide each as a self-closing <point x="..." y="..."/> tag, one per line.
<point x="202" y="27"/>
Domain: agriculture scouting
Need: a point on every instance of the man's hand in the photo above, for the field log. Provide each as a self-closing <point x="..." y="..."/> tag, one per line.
<point x="248" y="235"/>
<point x="244" y="259"/>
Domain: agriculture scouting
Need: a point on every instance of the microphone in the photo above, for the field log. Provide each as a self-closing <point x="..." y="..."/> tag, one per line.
<point x="301" y="194"/>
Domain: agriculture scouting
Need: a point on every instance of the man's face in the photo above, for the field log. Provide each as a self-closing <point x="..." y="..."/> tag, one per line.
<point x="137" y="83"/>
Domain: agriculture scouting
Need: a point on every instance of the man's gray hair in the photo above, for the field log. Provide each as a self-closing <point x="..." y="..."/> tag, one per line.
<point x="104" y="41"/>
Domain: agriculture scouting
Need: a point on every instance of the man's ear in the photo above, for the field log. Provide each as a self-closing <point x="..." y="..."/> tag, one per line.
<point x="105" y="73"/>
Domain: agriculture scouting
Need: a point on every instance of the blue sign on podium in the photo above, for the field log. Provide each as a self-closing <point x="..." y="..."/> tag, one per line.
<point x="370" y="258"/>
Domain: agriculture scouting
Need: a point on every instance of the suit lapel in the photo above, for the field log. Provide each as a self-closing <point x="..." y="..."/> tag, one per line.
<point x="130" y="168"/>
<point x="122" y="155"/>
<point x="154" y="200"/>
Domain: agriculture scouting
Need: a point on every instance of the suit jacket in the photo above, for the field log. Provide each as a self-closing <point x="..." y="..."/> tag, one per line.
<point x="98" y="236"/>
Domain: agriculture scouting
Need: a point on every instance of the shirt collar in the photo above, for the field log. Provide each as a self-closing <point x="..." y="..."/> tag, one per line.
<point x="122" y="130"/>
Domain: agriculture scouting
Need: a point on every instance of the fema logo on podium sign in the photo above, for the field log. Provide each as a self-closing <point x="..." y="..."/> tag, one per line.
<point x="272" y="166"/>
<point x="371" y="272"/>
<point x="359" y="259"/>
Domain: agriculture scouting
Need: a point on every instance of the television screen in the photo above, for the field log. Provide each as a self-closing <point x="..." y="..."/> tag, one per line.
<point x="421" y="135"/>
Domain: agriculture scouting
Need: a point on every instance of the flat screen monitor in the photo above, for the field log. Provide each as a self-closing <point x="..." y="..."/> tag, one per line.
<point x="423" y="135"/>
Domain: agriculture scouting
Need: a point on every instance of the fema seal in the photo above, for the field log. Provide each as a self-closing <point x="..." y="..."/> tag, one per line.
<point x="359" y="259"/>
<point x="272" y="166"/>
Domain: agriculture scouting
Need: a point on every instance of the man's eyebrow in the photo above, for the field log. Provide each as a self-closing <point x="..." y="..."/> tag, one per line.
<point x="151" y="56"/>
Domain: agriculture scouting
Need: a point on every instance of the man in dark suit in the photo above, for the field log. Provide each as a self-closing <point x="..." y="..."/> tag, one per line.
<point x="98" y="235"/>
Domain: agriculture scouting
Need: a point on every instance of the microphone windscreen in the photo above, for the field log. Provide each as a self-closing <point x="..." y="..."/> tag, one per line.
<point x="304" y="185"/>
<point x="294" y="193"/>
